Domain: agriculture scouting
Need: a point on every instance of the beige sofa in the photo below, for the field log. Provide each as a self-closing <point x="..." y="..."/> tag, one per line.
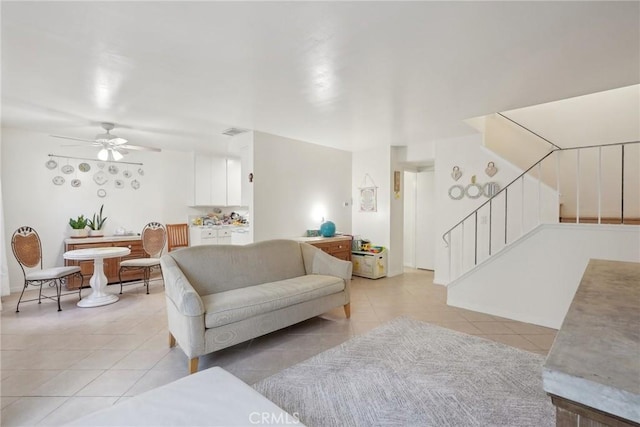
<point x="221" y="295"/>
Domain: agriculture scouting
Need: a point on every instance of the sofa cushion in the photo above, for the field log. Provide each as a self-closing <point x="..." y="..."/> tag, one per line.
<point x="218" y="268"/>
<point x="239" y="304"/>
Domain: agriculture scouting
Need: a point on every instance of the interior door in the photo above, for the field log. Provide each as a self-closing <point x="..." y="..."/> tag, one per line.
<point x="425" y="220"/>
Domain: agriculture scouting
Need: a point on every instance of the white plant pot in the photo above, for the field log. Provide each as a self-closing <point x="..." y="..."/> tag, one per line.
<point x="96" y="233"/>
<point x="75" y="234"/>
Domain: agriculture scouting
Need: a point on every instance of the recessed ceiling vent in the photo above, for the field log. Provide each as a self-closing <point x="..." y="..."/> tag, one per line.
<point x="234" y="131"/>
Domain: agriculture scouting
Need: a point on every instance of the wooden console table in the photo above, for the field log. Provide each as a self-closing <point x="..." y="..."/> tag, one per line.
<point x="111" y="265"/>
<point x="592" y="372"/>
<point x="338" y="246"/>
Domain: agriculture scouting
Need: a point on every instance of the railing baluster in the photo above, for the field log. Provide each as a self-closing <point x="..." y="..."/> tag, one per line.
<point x="622" y="188"/>
<point x="475" y="241"/>
<point x="490" y="209"/>
<point x="505" y="215"/>
<point x="577" y="186"/>
<point x="449" y="253"/>
<point x="600" y="184"/>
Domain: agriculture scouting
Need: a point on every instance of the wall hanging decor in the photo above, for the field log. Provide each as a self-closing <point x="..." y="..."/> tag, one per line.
<point x="456" y="173"/>
<point x="396" y="183"/>
<point x="491" y="169"/>
<point x="100" y="177"/>
<point x="368" y="195"/>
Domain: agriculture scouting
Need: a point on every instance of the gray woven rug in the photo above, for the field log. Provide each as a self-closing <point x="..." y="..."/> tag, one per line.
<point x="411" y="373"/>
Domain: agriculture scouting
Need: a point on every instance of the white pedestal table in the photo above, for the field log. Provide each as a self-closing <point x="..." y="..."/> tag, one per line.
<point x="98" y="281"/>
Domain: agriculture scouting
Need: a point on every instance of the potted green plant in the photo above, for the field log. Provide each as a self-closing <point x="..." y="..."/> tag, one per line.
<point x="78" y="227"/>
<point x="96" y="223"/>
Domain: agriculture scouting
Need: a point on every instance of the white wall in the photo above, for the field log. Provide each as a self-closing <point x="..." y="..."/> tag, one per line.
<point x="395" y="260"/>
<point x="30" y="197"/>
<point x="472" y="158"/>
<point x="535" y="279"/>
<point x="295" y="184"/>
<point x="425" y="225"/>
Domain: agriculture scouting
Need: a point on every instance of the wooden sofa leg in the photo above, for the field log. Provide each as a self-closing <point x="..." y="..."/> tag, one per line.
<point x="347" y="310"/>
<point x="172" y="340"/>
<point x="193" y="365"/>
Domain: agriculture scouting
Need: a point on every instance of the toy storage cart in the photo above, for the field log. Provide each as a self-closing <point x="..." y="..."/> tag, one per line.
<point x="368" y="264"/>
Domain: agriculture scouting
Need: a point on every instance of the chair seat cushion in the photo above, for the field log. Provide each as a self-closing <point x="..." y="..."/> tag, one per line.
<point x="228" y="307"/>
<point x="140" y="262"/>
<point x="52" y="273"/>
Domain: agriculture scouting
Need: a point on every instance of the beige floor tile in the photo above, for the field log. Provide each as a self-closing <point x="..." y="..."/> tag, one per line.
<point x="153" y="379"/>
<point x="493" y="328"/>
<point x="460" y="326"/>
<point x="512" y="340"/>
<point x="22" y="382"/>
<point x="529" y="329"/>
<point x="28" y="411"/>
<point x="66" y="383"/>
<point x="101" y="359"/>
<point x="76" y="407"/>
<point x="361" y="327"/>
<point x="6" y="401"/>
<point x="543" y="342"/>
<point x="112" y="383"/>
<point x="141" y="359"/>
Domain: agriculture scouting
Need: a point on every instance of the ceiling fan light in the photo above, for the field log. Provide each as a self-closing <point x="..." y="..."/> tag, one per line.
<point x="117" y="155"/>
<point x="103" y="154"/>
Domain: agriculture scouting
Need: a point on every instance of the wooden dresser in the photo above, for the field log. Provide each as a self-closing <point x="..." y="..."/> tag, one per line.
<point x="111" y="265"/>
<point x="338" y="246"/>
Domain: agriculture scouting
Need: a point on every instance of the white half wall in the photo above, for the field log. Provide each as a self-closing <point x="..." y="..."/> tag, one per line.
<point x="534" y="279"/>
<point x="31" y="198"/>
<point x="296" y="184"/>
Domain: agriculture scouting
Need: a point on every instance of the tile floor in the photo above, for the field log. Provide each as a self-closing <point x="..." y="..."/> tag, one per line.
<point x="57" y="366"/>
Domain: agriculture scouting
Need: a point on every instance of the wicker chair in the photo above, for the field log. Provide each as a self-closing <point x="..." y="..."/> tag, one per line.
<point x="178" y="236"/>
<point x="27" y="248"/>
<point x="154" y="236"/>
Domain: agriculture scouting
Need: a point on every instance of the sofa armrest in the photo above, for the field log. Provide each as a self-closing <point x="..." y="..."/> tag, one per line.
<point x="179" y="290"/>
<point x="318" y="262"/>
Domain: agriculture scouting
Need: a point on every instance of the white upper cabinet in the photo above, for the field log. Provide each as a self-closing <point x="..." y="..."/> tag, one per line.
<point x="217" y="181"/>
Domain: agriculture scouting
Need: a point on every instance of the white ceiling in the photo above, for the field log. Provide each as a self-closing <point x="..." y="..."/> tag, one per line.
<point x="343" y="74"/>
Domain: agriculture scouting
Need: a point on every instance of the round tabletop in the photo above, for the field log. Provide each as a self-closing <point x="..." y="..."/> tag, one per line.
<point x="95" y="253"/>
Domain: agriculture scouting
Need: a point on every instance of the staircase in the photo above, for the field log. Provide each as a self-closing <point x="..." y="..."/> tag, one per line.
<point x="560" y="187"/>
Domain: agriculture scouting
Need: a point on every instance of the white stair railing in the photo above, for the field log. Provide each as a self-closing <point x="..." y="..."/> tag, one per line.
<point x="535" y="197"/>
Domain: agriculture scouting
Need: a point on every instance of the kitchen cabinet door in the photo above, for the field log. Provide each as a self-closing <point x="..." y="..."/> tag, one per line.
<point x="202" y="180"/>
<point x="218" y="181"/>
<point x="234" y="177"/>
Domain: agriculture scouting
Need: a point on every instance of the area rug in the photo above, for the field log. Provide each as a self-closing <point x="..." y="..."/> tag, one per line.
<point x="411" y="373"/>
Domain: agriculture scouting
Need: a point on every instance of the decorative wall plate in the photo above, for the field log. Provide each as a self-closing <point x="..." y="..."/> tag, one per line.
<point x="135" y="184"/>
<point x="100" y="178"/>
<point x="76" y="183"/>
<point x="102" y="192"/>
<point x="67" y="169"/>
<point x="51" y="164"/>
<point x="126" y="173"/>
<point x="113" y="169"/>
<point x="456" y="192"/>
<point x="58" y="180"/>
<point x="119" y="183"/>
<point x="84" y="167"/>
<point x="473" y="191"/>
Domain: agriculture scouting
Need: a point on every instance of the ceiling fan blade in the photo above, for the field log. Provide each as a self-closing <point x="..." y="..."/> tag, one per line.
<point x="117" y="141"/>
<point x="139" y="148"/>
<point x="95" y="144"/>
<point x="73" y="138"/>
<point x="120" y="150"/>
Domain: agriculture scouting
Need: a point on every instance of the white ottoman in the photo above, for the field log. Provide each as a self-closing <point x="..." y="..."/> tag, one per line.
<point x="212" y="397"/>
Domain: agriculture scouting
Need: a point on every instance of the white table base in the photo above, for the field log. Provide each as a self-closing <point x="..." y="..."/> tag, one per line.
<point x="98" y="283"/>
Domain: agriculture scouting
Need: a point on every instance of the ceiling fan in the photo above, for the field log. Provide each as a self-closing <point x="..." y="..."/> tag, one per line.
<point x="112" y="147"/>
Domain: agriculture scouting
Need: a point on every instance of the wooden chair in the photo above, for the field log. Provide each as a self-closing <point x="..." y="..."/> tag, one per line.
<point x="154" y="236"/>
<point x="178" y="236"/>
<point x="27" y="248"/>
